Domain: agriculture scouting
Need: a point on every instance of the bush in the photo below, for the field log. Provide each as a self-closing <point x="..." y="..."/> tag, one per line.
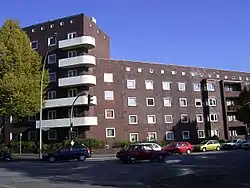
<point x="120" y="144"/>
<point x="27" y="146"/>
<point x="91" y="143"/>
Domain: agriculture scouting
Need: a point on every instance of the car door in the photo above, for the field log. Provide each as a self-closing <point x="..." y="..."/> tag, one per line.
<point x="63" y="154"/>
<point x="210" y="145"/>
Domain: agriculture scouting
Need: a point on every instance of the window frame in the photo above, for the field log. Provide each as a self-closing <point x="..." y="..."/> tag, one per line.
<point x="154" y="117"/>
<point x="182" y="120"/>
<point x="213" y="114"/>
<point x="198" y="100"/>
<point x="49" y="41"/>
<point x="49" y="136"/>
<point x="166" y="85"/>
<point x="52" y="55"/>
<point x="129" y="120"/>
<point x="184" y="99"/>
<point x="195" y="89"/>
<point x="72" y="52"/>
<point x="146" y="84"/>
<point x="196" y="117"/>
<point x="110" y="128"/>
<point x="109" y="98"/>
<point x="36" y="42"/>
<point x="179" y="86"/>
<point x="71" y="73"/>
<point x="52" y="73"/>
<point x="165" y="118"/>
<point x="132" y="98"/>
<point x="72" y="90"/>
<point x="171" y="132"/>
<point x="150" y="98"/>
<point x="182" y="134"/>
<point x="53" y="112"/>
<point x="71" y="34"/>
<point x="133" y="82"/>
<point x="106" y="113"/>
<point x="152" y="133"/>
<point x="51" y="93"/>
<point x="130" y="136"/>
<point x="106" y="77"/>
<point x="165" y="99"/>
<point x="203" y="132"/>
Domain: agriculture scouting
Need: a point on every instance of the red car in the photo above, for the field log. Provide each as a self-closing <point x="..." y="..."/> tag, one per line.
<point x="179" y="147"/>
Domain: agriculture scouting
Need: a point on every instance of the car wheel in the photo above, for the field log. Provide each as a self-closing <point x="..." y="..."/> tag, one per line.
<point x="204" y="149"/>
<point x="234" y="147"/>
<point x="82" y="158"/>
<point x="52" y="159"/>
<point x="188" y="151"/>
<point x="218" y="148"/>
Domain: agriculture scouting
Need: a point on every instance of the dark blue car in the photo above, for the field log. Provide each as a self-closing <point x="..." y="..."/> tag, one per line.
<point x="68" y="153"/>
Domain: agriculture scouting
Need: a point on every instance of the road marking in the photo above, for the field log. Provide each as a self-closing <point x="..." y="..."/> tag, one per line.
<point x="6" y="186"/>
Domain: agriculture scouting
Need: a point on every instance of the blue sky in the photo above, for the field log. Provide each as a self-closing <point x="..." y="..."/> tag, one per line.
<point x="206" y="33"/>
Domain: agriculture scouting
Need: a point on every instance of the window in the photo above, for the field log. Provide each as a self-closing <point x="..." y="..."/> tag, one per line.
<point x="72" y="35"/>
<point x="109" y="113"/>
<point x="198" y="102"/>
<point x="185" y="135"/>
<point x="152" y="136"/>
<point x="34" y="45"/>
<point x="231" y="117"/>
<point x="52" y="59"/>
<point x="196" y="87"/>
<point x="133" y="137"/>
<point x="217" y="76"/>
<point x="108" y="77"/>
<point x="168" y="119"/>
<point x="133" y="119"/>
<point x="52" y="114"/>
<point x="169" y="135"/>
<point x="42" y="28"/>
<point x="52" y="77"/>
<point x="110" y="132"/>
<point x="173" y="72"/>
<point x="214" y="133"/>
<point x="32" y="135"/>
<point x="151" y="119"/>
<point x="151" y="71"/>
<point x="232" y="133"/>
<point x="199" y="118"/>
<point x="210" y="87"/>
<point x="201" y="133"/>
<point x="131" y="84"/>
<point x="213" y="118"/>
<point x="162" y="71"/>
<point x="183" y="102"/>
<point x="150" y="101"/>
<point x="183" y="73"/>
<point x="72" y="73"/>
<point x="51" y="95"/>
<point x="52" y="25"/>
<point x="75" y="112"/>
<point x="184" y="118"/>
<point x="181" y="86"/>
<point x="72" y="53"/>
<point x="128" y="69"/>
<point x="52" y="135"/>
<point x="139" y="70"/>
<point x="167" y="101"/>
<point x="165" y="85"/>
<point x="109" y="95"/>
<point x="51" y="41"/>
<point x="211" y="102"/>
<point x="72" y="92"/>
<point x="132" y="101"/>
<point x="149" y="84"/>
<point x="61" y="23"/>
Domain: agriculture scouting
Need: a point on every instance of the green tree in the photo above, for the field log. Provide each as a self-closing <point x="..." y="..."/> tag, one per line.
<point x="243" y="108"/>
<point x="20" y="73"/>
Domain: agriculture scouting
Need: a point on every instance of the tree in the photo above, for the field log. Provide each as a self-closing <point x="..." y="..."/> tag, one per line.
<point x="20" y="73"/>
<point x="243" y="108"/>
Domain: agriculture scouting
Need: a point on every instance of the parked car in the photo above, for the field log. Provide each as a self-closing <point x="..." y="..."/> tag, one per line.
<point x="208" y="145"/>
<point x="139" y="152"/>
<point x="5" y="156"/>
<point x="68" y="153"/>
<point x="155" y="146"/>
<point x="246" y="145"/>
<point x="233" y="144"/>
<point x="179" y="147"/>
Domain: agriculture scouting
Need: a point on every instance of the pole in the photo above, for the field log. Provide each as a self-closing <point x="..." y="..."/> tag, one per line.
<point x="20" y="143"/>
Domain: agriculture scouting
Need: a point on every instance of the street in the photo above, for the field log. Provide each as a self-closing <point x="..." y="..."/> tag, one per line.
<point x="224" y="168"/>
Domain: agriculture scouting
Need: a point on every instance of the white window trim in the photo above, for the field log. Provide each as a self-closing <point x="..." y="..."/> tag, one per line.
<point x="213" y="86"/>
<point x="131" y="87"/>
<point x="182" y="135"/>
<point x="51" y="55"/>
<point x="180" y="102"/>
<point x="213" y="99"/>
<point x="72" y="90"/>
<point x="73" y="72"/>
<point x="49" y="138"/>
<point x="107" y="98"/>
<point x="203" y="133"/>
<point x="36" y="42"/>
<point x="165" y="98"/>
<point x="198" y="100"/>
<point x="108" y="77"/>
<point x="181" y="83"/>
<point x="132" y="98"/>
<point x="49" y="41"/>
<point x="171" y="132"/>
<point x="164" y="83"/>
<point x="182" y="116"/>
<point x="147" y="81"/>
<point x="71" y="33"/>
<point x="213" y="120"/>
<point x="130" y="137"/>
<point x="51" y="111"/>
<point x="132" y="123"/>
<point x="150" y="133"/>
<point x="150" y="99"/>
<point x="113" y="111"/>
<point x="197" y="115"/>
<point x="110" y="128"/>
<point x="29" y="135"/>
<point x="72" y="51"/>
<point x="51" y="93"/>
<point x="52" y="73"/>
<point x="194" y="89"/>
<point x="154" y="119"/>
<point x="165" y="118"/>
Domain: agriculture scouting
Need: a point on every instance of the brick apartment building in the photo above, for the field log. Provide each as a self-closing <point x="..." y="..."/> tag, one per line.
<point x="130" y="100"/>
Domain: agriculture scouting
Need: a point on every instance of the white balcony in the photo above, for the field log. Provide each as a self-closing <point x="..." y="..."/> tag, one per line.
<point x="87" y="42"/>
<point x="62" y="102"/>
<point x="83" y="60"/>
<point x="77" y="121"/>
<point x="88" y="80"/>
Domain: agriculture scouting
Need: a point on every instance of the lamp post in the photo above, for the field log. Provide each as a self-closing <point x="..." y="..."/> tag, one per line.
<point x="71" y="113"/>
<point x="41" y="100"/>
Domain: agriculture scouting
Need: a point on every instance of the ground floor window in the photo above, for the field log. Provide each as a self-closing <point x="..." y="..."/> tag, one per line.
<point x="233" y="133"/>
<point x="152" y="136"/>
<point x="201" y="133"/>
<point x="110" y="132"/>
<point x="214" y="133"/>
<point x="133" y="137"/>
<point x="185" y="135"/>
<point x="169" y="135"/>
<point x="14" y="136"/>
<point x="32" y="135"/>
<point x="52" y="135"/>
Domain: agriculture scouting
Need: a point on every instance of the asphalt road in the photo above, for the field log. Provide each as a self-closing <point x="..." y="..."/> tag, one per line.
<point x="225" y="169"/>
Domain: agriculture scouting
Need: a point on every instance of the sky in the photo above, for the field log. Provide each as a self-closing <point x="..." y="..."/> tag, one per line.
<point x="204" y="33"/>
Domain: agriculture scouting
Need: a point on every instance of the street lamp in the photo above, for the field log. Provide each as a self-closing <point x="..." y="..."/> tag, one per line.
<point x="71" y="113"/>
<point x="41" y="99"/>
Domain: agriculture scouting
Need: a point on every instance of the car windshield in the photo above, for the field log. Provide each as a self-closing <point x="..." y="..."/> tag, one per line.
<point x="171" y="144"/>
<point x="204" y="142"/>
<point x="234" y="141"/>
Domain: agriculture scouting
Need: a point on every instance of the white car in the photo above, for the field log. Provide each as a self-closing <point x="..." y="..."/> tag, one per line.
<point x="155" y="146"/>
<point x="246" y="145"/>
<point x="236" y="143"/>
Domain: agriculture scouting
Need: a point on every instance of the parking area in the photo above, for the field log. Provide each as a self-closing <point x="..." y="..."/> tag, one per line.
<point x="224" y="168"/>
